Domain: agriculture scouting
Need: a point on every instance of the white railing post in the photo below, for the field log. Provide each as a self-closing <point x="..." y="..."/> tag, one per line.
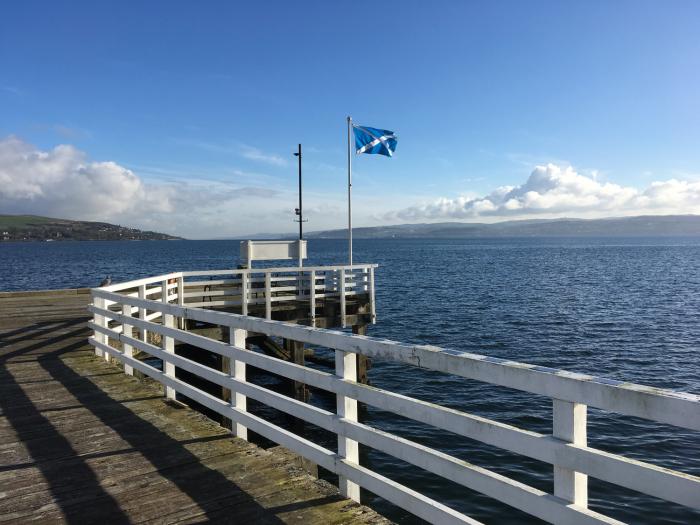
<point x="181" y="300"/>
<point x="341" y="277"/>
<point x="168" y="343"/>
<point x="569" y="424"/>
<point x="100" y="321"/>
<point x="268" y="295"/>
<point x="312" y="297"/>
<point x="127" y="331"/>
<point x="164" y="291"/>
<point x="244" y="293"/>
<point x="372" y="306"/>
<point x="346" y="368"/>
<point x="169" y="346"/>
<point x="237" y="339"/>
<point x="142" y="313"/>
<point x="105" y="322"/>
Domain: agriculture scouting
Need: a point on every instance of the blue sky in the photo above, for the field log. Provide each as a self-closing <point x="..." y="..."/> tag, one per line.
<point x="195" y="109"/>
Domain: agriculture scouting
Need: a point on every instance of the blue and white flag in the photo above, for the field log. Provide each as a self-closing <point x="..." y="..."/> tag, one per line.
<point x="373" y="140"/>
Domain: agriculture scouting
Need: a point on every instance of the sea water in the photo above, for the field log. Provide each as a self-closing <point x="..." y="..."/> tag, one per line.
<point x="627" y="309"/>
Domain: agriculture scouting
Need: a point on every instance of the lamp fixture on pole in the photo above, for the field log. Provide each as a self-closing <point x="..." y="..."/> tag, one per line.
<point x="299" y="211"/>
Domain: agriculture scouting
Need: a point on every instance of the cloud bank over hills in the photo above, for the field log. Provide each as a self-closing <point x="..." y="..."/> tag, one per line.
<point x="64" y="182"/>
<point x="555" y="190"/>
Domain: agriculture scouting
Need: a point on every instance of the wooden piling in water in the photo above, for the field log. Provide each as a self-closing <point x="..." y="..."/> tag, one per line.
<point x="364" y="363"/>
<point x="295" y="351"/>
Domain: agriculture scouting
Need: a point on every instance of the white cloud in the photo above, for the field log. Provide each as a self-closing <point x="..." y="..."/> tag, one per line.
<point x="64" y="183"/>
<point x="12" y="89"/>
<point x="236" y="148"/>
<point x="255" y="154"/>
<point x="553" y="190"/>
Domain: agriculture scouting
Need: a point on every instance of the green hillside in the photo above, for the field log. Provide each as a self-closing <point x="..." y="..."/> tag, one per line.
<point x="650" y="225"/>
<point x="23" y="221"/>
<point x="36" y="228"/>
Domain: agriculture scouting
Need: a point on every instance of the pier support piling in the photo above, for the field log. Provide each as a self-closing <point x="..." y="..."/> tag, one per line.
<point x="363" y="362"/>
<point x="295" y="350"/>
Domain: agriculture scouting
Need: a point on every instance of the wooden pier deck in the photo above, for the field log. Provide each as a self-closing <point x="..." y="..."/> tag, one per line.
<point x="81" y="442"/>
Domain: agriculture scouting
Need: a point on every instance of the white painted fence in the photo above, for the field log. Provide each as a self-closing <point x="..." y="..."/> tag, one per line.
<point x="247" y="288"/>
<point x="116" y="314"/>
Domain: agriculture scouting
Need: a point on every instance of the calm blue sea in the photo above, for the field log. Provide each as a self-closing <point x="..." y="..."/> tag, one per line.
<point x="627" y="309"/>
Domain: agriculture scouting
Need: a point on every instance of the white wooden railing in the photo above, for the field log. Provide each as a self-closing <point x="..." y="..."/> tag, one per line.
<point x="247" y="288"/>
<point x="116" y="314"/>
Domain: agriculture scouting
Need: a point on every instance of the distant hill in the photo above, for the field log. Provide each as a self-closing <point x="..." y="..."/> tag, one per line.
<point x="35" y="228"/>
<point x="648" y="225"/>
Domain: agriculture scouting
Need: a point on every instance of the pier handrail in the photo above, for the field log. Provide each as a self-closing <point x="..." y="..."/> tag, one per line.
<point x="566" y="448"/>
<point x="246" y="287"/>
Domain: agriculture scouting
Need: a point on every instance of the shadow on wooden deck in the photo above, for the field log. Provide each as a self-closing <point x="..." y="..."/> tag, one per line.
<point x="81" y="442"/>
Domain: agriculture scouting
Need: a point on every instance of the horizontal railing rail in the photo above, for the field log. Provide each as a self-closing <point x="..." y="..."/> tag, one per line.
<point x="270" y="287"/>
<point x="116" y="315"/>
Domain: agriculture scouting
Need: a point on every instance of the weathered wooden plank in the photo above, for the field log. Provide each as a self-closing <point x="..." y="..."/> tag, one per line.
<point x="132" y="492"/>
<point x="82" y="442"/>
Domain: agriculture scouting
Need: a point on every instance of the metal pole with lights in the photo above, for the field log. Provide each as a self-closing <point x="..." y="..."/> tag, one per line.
<point x="299" y="211"/>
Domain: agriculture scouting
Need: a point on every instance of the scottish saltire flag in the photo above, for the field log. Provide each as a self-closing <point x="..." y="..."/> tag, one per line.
<point x="373" y="140"/>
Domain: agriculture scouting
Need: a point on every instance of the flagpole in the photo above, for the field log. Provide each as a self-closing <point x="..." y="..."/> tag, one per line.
<point x="349" y="192"/>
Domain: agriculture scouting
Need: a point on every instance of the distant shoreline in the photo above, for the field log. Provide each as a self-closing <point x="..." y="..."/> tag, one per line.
<point x="28" y="228"/>
<point x="641" y="226"/>
<point x="35" y="241"/>
<point x="397" y="238"/>
<point x="33" y="228"/>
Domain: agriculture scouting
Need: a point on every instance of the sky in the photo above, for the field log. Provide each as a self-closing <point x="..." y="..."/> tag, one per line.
<point x="182" y="117"/>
